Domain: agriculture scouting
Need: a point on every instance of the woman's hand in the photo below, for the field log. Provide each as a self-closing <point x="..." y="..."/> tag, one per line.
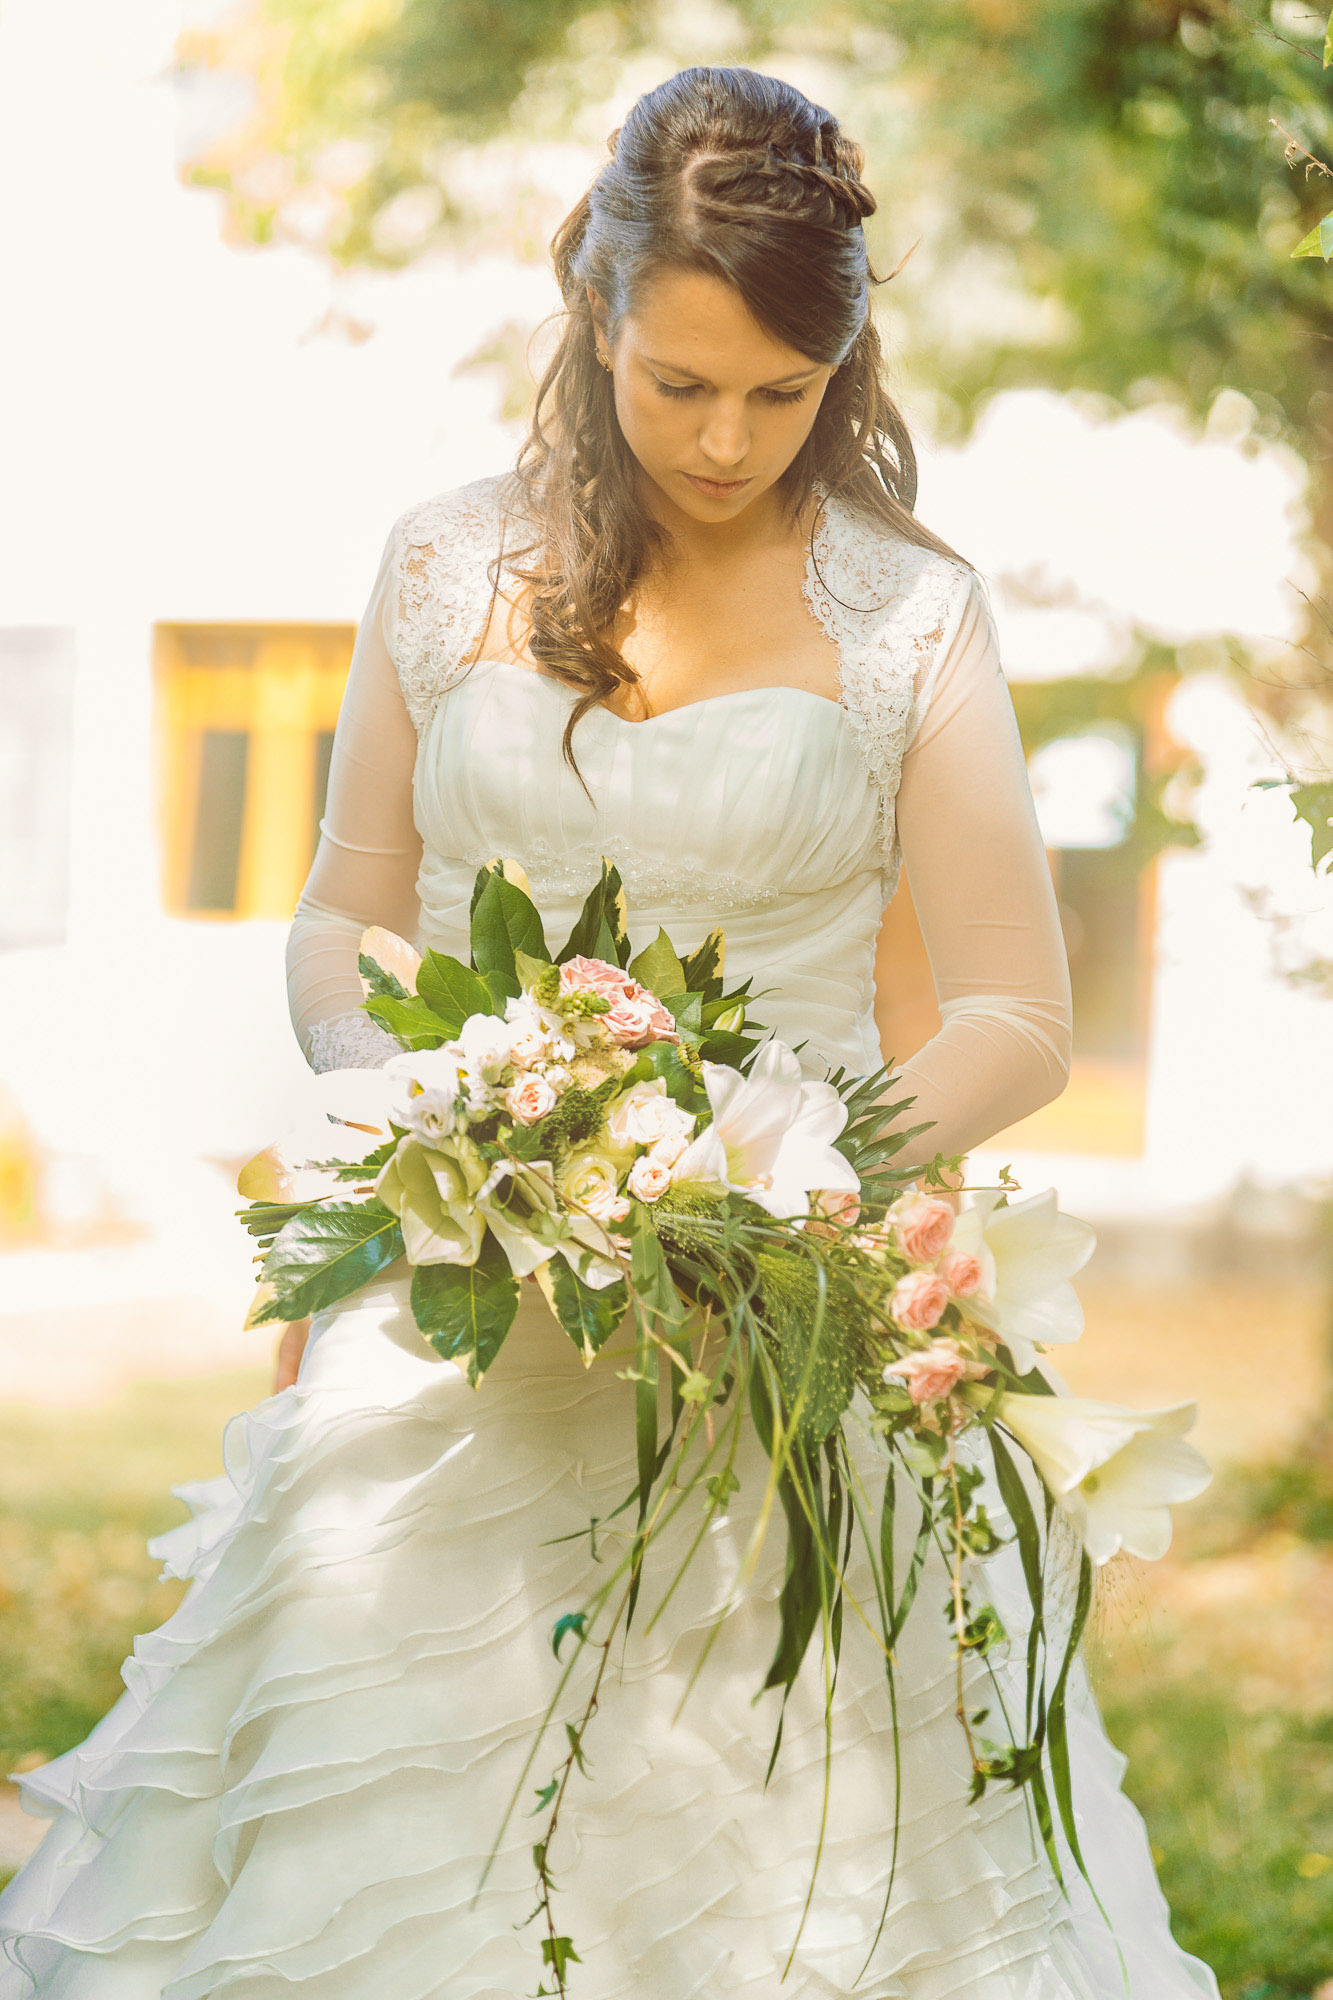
<point x="290" y="1349"/>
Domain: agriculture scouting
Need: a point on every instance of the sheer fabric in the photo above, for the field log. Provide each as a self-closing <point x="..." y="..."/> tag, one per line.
<point x="965" y="824"/>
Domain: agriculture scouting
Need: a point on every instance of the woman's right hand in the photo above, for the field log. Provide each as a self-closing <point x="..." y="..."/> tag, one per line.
<point x="290" y="1349"/>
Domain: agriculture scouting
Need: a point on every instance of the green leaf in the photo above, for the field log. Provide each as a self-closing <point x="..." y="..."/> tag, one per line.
<point x="529" y="969"/>
<point x="557" y="1952"/>
<point x="572" y="1621"/>
<point x="326" y="1252"/>
<point x="704" y="966"/>
<point x="588" y="1314"/>
<point x="453" y="990"/>
<point x="599" y="929"/>
<point x="466" y="1310"/>
<point x="1319" y="241"/>
<point x="663" y="1059"/>
<point x="504" y="922"/>
<point x="658" y="968"/>
<point x="416" y="1025"/>
<point x="379" y="980"/>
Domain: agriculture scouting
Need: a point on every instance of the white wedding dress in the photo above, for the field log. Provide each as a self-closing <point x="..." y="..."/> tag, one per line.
<point x="296" y="1794"/>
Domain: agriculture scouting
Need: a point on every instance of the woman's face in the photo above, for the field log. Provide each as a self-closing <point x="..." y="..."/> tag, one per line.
<point x="712" y="406"/>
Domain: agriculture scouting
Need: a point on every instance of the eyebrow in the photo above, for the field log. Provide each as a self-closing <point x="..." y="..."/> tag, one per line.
<point x="674" y="368"/>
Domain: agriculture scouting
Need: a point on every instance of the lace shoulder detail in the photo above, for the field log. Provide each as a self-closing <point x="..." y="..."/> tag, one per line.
<point x="888" y="606"/>
<point x="444" y="547"/>
<point x="350" y="1041"/>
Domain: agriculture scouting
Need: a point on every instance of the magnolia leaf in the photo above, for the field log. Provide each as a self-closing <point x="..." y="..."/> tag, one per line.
<point x="704" y="967"/>
<point x="599" y="929"/>
<point x="529" y="969"/>
<point x="504" y="921"/>
<point x="324" y="1253"/>
<point x="658" y="968"/>
<point x="453" y="990"/>
<point x="589" y="1314"/>
<point x="411" y="1021"/>
<point x="466" y="1310"/>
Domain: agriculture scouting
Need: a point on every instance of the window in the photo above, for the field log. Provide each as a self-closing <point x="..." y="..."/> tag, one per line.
<point x="247" y="714"/>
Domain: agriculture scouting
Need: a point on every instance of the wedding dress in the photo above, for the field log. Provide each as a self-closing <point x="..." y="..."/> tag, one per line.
<point x="295" y="1797"/>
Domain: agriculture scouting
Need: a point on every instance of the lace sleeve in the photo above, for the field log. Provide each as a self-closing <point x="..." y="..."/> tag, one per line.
<point x="982" y="889"/>
<point x="443" y="590"/>
<point x="891" y="609"/>
<point x="365" y="866"/>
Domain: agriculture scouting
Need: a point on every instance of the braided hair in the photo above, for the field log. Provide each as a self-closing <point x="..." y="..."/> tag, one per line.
<point x="737" y="175"/>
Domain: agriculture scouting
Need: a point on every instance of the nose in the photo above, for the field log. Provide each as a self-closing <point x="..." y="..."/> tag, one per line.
<point x="725" y="437"/>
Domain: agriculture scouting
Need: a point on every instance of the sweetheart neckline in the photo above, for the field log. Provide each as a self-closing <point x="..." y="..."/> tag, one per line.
<point x="682" y="708"/>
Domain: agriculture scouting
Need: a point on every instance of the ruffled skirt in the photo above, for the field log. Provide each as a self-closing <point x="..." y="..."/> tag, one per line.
<point x="296" y="1795"/>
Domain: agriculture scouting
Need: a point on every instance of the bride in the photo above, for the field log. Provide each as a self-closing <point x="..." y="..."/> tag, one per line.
<point x="698" y="630"/>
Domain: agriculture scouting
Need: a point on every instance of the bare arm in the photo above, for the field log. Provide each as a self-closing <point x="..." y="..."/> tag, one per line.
<point x="985" y="902"/>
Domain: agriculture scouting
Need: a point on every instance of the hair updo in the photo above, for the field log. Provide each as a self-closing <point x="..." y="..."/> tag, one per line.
<point x="739" y="176"/>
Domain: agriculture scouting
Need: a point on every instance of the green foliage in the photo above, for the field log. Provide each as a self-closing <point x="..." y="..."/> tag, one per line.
<point x="380" y="981"/>
<point x="324" y="1253"/>
<point x="825" y="1364"/>
<point x="466" y="1310"/>
<point x="600" y="927"/>
<point x="1312" y="803"/>
<point x="589" y="1314"/>
<point x="505" y="921"/>
<point x="452" y="990"/>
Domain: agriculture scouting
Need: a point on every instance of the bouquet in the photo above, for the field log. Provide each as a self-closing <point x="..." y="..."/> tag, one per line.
<point x="617" y="1128"/>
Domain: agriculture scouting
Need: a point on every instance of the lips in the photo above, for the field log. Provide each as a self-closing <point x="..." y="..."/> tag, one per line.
<point x="719" y="487"/>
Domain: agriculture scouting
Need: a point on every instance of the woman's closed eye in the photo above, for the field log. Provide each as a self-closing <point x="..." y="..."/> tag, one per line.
<point x="693" y="388"/>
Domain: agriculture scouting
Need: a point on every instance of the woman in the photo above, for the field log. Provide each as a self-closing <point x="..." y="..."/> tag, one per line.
<point x="699" y="631"/>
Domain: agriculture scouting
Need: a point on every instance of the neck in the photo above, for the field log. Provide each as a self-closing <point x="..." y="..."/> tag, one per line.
<point x="695" y="544"/>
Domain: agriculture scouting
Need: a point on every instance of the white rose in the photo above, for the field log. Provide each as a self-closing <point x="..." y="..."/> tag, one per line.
<point x="588" y="1180"/>
<point x="649" y="1178"/>
<point x="538" y="1032"/>
<point x="645" y="1115"/>
<point x="530" y="1098"/>
<point x="669" y="1148"/>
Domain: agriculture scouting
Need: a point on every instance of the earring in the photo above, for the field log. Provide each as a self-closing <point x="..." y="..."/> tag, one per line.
<point x="603" y="358"/>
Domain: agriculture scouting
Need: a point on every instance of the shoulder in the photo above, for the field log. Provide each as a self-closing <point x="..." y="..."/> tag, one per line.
<point x="437" y="521"/>
<point x="886" y="586"/>
<point x="442" y="553"/>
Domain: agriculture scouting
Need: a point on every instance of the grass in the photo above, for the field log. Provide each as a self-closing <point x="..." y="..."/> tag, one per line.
<point x="1211" y="1666"/>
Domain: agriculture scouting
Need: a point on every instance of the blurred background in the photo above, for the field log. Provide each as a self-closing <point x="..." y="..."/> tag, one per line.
<point x="276" y="269"/>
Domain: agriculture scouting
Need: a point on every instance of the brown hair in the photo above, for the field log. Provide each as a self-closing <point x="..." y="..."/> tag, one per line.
<point x="737" y="175"/>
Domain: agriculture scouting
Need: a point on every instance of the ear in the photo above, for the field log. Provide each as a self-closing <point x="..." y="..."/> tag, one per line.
<point x="597" y="307"/>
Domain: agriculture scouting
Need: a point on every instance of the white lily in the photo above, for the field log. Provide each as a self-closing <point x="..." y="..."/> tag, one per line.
<point x="1115" y="1472"/>
<point x="1028" y="1252"/>
<point x="348" y="1117"/>
<point x="482" y="1048"/>
<point x="771" y="1134"/>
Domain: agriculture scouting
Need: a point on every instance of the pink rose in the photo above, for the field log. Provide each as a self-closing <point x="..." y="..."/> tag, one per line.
<point x="962" y="1273"/>
<point x="648" y="1178"/>
<point x="838" y="1204"/>
<point x="923" y="1227"/>
<point x="638" y="1016"/>
<point x="918" y="1300"/>
<point x="530" y="1099"/>
<point x="929" y="1374"/>
<point x="592" y="975"/>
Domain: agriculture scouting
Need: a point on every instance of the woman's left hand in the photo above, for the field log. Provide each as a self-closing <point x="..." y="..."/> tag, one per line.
<point x="290" y="1349"/>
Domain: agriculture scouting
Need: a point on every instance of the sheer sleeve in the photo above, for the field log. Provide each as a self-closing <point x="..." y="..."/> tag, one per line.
<point x="984" y="899"/>
<point x="365" y="866"/>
